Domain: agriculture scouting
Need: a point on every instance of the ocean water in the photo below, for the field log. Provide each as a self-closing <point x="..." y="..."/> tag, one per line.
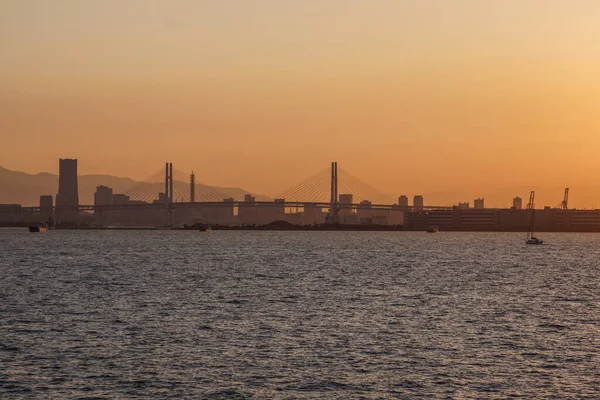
<point x="298" y="315"/>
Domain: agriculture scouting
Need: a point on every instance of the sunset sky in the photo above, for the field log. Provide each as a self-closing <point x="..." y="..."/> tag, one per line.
<point x="409" y="96"/>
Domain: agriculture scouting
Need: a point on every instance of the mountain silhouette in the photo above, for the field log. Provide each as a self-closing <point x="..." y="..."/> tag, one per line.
<point x="22" y="188"/>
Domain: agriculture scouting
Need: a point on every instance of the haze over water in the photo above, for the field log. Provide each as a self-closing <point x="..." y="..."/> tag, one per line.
<point x="415" y="97"/>
<point x="157" y="314"/>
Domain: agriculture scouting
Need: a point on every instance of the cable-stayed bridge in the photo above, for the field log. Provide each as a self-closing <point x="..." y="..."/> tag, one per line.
<point x="169" y="196"/>
<point x="314" y="189"/>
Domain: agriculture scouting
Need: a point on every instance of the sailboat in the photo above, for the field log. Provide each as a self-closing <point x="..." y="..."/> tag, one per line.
<point x="530" y="238"/>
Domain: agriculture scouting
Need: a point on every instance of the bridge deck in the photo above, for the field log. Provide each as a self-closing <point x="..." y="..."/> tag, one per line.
<point x="287" y="204"/>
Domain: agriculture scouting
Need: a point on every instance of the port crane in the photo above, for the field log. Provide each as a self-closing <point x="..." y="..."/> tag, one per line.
<point x="531" y="204"/>
<point x="565" y="203"/>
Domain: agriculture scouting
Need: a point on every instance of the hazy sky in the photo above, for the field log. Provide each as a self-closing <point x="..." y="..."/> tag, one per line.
<point x="410" y="96"/>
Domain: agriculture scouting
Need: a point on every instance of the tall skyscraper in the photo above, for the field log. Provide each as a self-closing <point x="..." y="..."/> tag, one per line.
<point x="67" y="199"/>
<point x="478" y="203"/>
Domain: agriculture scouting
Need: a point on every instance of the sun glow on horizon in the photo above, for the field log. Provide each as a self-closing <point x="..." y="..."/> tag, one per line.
<point x="412" y="97"/>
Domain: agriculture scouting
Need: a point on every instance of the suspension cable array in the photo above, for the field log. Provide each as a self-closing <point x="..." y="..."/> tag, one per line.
<point x="147" y="189"/>
<point x="360" y="190"/>
<point x="317" y="189"/>
<point x="182" y="191"/>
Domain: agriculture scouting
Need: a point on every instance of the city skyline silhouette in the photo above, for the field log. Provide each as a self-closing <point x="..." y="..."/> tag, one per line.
<point x="584" y="197"/>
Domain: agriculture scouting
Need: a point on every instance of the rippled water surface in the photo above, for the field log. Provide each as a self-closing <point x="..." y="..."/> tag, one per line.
<point x="236" y="315"/>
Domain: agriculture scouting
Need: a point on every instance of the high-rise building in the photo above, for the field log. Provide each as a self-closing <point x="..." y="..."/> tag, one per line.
<point x="67" y="199"/>
<point x="364" y="209"/>
<point x="517" y="203"/>
<point x="403" y="201"/>
<point x="418" y="202"/>
<point x="345" y="201"/>
<point x="103" y="196"/>
<point x="46" y="205"/>
<point x="462" y="205"/>
<point x="478" y="203"/>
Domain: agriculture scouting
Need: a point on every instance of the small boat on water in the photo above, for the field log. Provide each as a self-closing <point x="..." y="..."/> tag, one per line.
<point x="204" y="228"/>
<point x="432" y="229"/>
<point x="530" y="238"/>
<point x="534" y="240"/>
<point x="38" y="228"/>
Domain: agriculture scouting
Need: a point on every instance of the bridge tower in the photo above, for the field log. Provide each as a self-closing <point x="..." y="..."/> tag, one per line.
<point x="171" y="183"/>
<point x="192" y="188"/>
<point x="168" y="194"/>
<point x="333" y="205"/>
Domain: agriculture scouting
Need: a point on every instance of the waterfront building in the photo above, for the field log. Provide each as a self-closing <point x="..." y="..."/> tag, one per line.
<point x="103" y="196"/>
<point x="346" y="201"/>
<point x="418" y="202"/>
<point x="517" y="203"/>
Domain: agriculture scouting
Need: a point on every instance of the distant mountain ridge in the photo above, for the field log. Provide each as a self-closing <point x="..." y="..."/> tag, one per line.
<point x="23" y="188"/>
<point x="18" y="187"/>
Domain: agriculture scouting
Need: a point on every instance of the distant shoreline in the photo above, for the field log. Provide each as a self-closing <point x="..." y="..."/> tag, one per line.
<point x="302" y="228"/>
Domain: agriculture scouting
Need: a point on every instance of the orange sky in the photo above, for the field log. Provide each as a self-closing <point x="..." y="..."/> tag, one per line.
<point x="410" y="96"/>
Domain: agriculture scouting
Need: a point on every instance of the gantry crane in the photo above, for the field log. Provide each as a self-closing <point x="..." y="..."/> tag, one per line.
<point x="531" y="204"/>
<point x="565" y="203"/>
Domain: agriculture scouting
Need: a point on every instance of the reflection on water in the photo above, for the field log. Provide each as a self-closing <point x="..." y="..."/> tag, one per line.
<point x="86" y="314"/>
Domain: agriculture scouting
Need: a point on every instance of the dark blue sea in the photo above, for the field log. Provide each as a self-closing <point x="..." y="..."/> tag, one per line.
<point x="298" y="315"/>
